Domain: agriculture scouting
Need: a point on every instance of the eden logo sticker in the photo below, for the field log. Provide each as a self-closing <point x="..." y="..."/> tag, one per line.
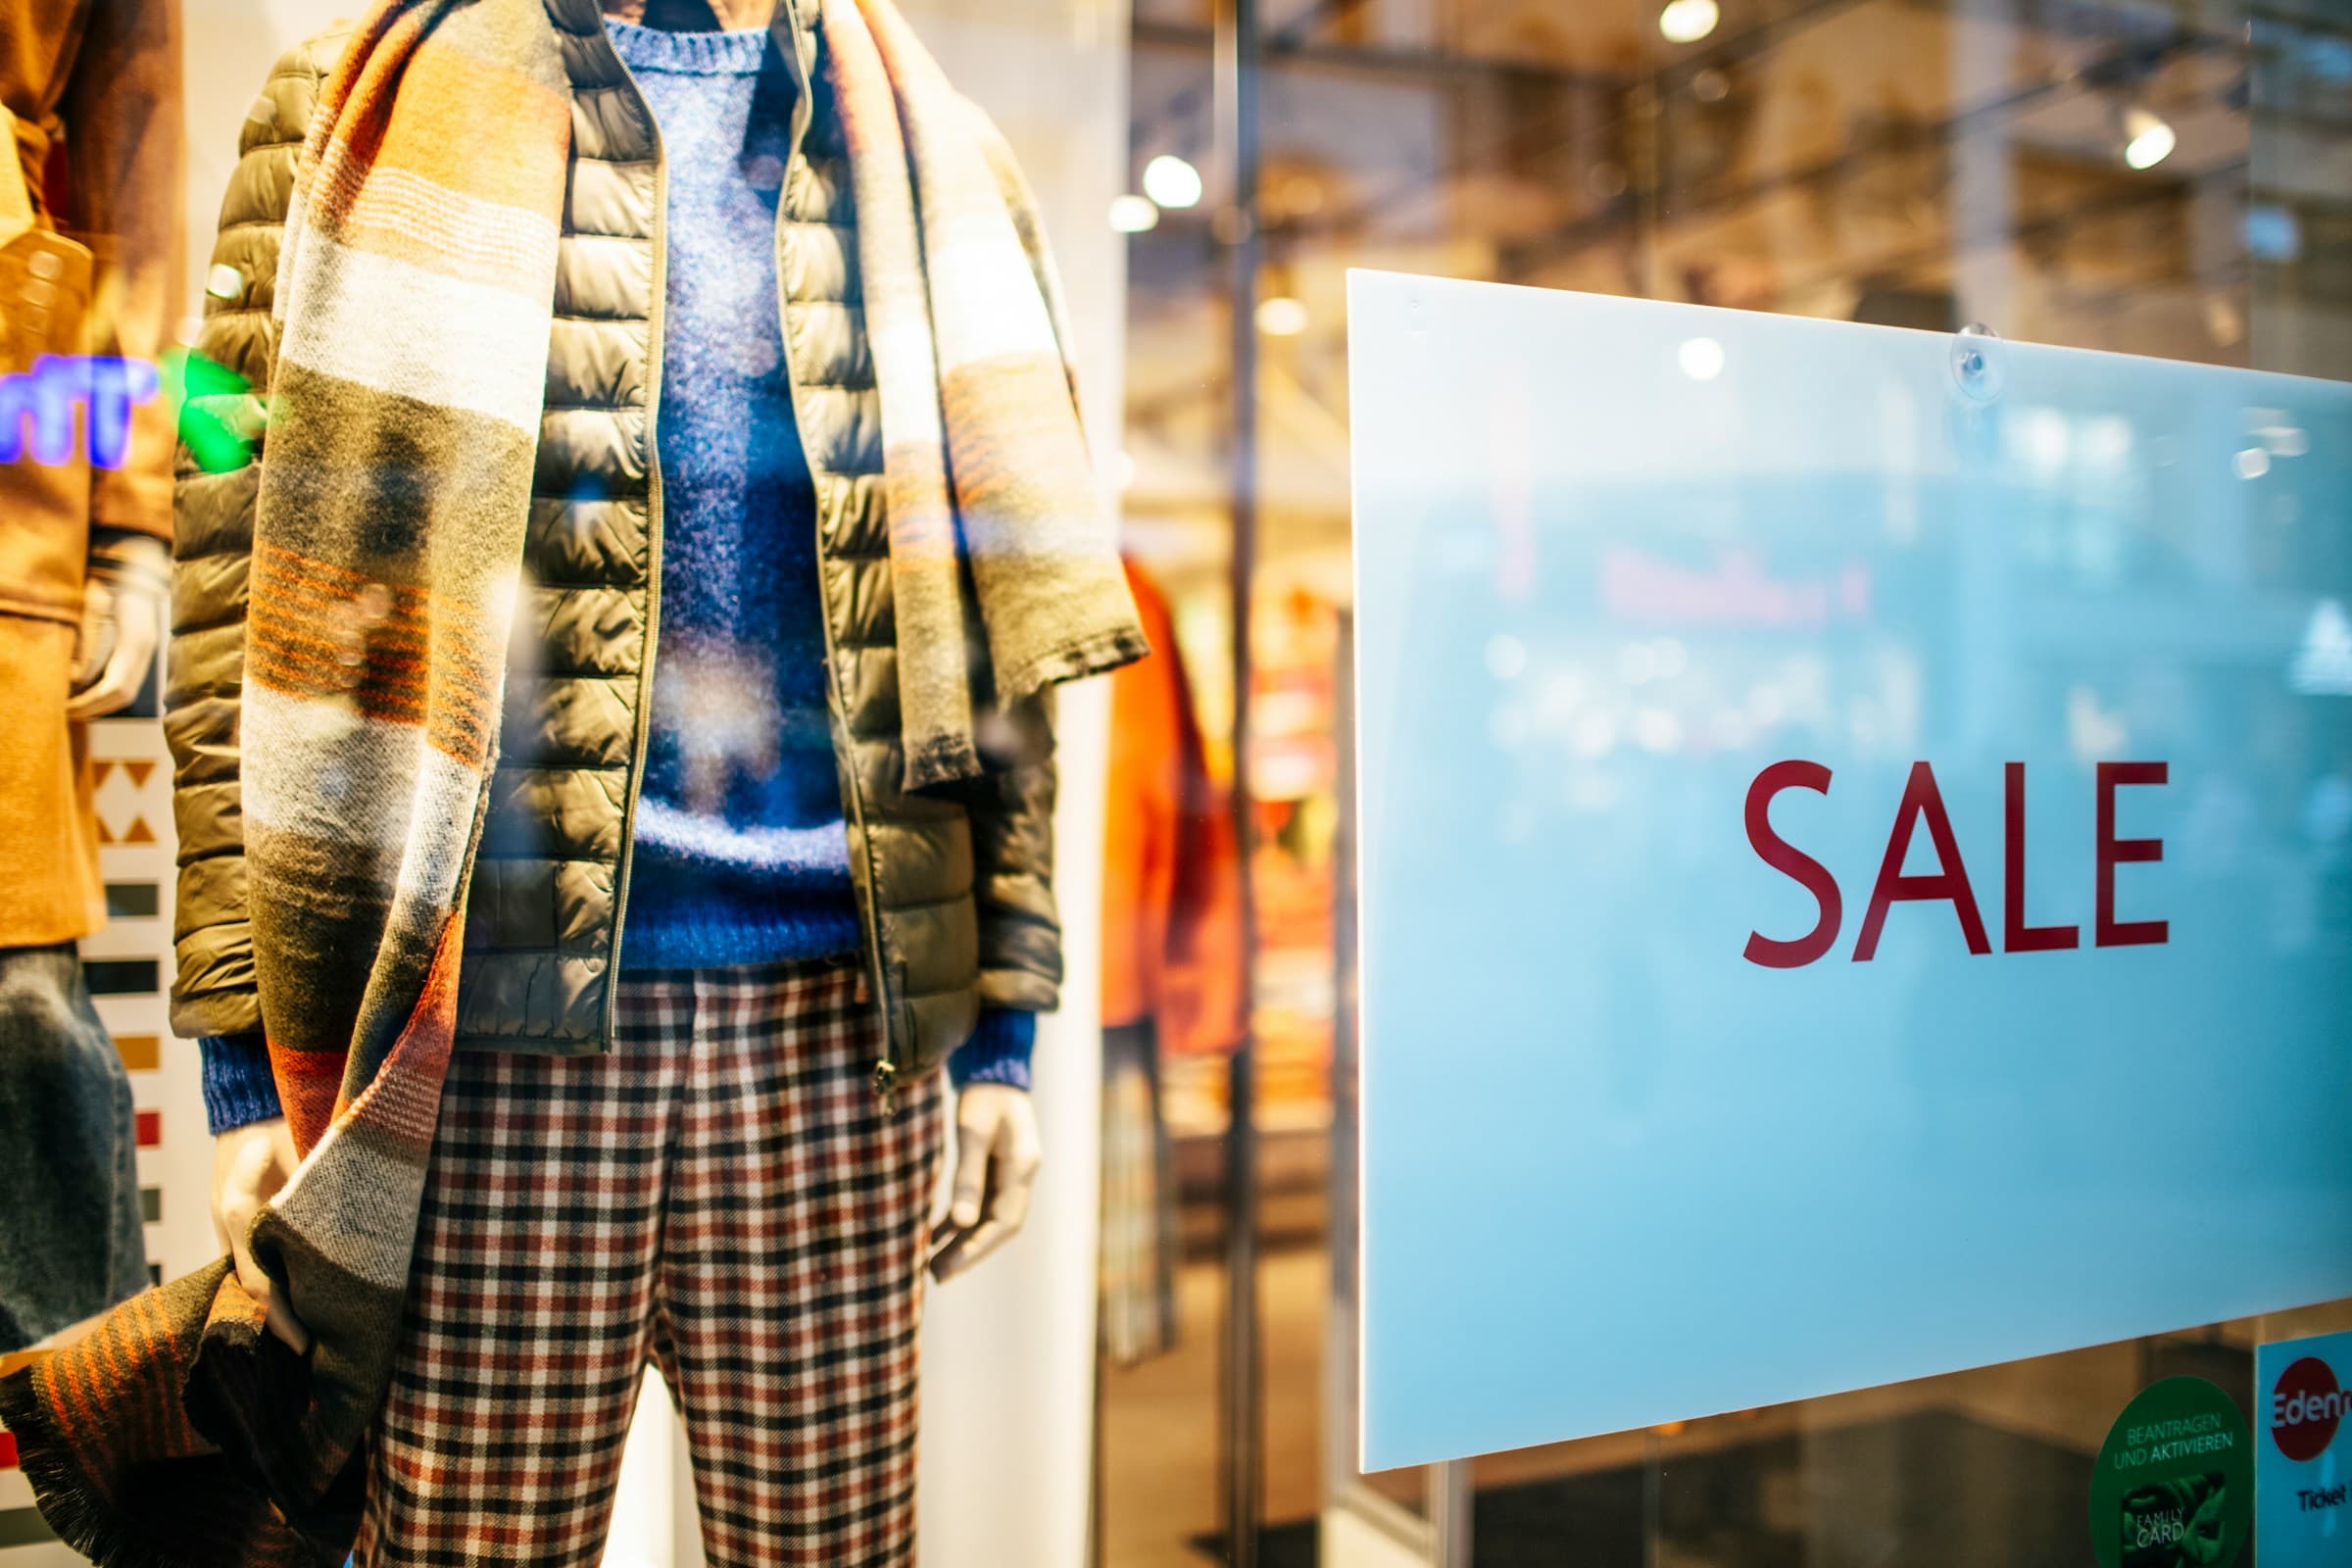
<point x="2303" y="1500"/>
<point x="2306" y="1408"/>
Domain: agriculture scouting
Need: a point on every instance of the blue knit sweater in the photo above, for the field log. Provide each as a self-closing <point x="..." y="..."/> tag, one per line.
<point x="741" y="855"/>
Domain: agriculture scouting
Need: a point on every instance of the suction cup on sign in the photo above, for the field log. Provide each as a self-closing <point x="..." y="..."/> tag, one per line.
<point x="1980" y="363"/>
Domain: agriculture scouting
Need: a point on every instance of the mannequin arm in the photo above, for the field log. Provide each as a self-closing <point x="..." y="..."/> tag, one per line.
<point x="121" y="617"/>
<point x="996" y="1158"/>
<point x="121" y="114"/>
<point x="250" y="1163"/>
<point x="1011" y="811"/>
<point x="996" y="1146"/>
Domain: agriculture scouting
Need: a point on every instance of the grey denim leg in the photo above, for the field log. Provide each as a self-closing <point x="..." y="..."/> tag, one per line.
<point x="71" y="1241"/>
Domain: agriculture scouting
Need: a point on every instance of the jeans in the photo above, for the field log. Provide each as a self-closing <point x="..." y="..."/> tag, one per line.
<point x="71" y="1241"/>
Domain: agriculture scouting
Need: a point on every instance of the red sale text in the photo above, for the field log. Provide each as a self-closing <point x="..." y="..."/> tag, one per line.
<point x="1921" y="808"/>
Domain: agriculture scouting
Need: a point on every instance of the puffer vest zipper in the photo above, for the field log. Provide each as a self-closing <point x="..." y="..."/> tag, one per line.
<point x="795" y="44"/>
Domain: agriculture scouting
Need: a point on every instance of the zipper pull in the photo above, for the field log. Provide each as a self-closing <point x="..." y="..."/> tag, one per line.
<point x="886" y="1085"/>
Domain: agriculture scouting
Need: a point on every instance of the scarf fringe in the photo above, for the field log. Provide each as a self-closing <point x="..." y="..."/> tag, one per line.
<point x="1096" y="654"/>
<point x="83" y="1520"/>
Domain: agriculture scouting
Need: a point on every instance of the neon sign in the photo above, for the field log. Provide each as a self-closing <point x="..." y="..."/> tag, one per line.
<point x="44" y="399"/>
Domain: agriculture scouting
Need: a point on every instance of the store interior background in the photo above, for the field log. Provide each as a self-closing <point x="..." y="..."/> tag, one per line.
<point x="1919" y="163"/>
<point x="2163" y="178"/>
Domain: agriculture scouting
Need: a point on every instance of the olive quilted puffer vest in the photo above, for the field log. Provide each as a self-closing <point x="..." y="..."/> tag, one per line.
<point x="955" y="889"/>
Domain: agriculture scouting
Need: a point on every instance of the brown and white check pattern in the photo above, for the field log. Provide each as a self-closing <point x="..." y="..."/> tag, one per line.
<point x="722" y="1194"/>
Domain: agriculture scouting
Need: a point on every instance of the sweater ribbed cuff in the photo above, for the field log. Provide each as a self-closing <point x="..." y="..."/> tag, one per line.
<point x="238" y="1089"/>
<point x="999" y="1050"/>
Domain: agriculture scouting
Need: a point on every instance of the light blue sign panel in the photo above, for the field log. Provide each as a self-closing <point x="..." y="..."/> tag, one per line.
<point x="1665" y="1118"/>
<point x="2302" y="1480"/>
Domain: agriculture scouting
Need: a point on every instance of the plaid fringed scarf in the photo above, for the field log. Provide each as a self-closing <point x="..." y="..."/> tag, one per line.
<point x="994" y="519"/>
<point x="414" y="303"/>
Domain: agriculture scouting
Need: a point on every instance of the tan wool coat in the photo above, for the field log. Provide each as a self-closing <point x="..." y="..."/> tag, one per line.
<point x="89" y="263"/>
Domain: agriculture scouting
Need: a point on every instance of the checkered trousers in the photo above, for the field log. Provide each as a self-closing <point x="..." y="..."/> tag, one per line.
<point x="722" y="1194"/>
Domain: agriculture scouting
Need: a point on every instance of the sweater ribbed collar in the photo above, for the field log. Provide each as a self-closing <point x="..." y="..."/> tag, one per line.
<point x="586" y="18"/>
<point x="688" y="54"/>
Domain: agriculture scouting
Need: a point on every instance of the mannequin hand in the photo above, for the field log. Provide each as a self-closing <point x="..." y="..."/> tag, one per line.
<point x="249" y="1165"/>
<point x="121" y="620"/>
<point x="997" y="1155"/>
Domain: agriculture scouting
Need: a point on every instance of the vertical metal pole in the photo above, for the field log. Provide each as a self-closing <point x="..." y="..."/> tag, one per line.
<point x="1449" y="1514"/>
<point x="1241" y="1391"/>
<point x="1343" y="1395"/>
<point x="1648" y="176"/>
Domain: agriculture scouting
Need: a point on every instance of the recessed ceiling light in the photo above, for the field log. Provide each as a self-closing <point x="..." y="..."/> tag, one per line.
<point x="1688" y="21"/>
<point x="1281" y="317"/>
<point x="2147" y="140"/>
<point x="1132" y="215"/>
<point x="1171" y="181"/>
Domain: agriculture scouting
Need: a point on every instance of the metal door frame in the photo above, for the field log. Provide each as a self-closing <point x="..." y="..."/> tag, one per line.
<point x="1356" y="1516"/>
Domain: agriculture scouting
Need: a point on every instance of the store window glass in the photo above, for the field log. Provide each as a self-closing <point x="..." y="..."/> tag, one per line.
<point x="2157" y="180"/>
<point x="607" y="283"/>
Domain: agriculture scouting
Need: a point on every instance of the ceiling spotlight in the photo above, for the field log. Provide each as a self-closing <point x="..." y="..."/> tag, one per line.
<point x="1171" y="181"/>
<point x="1688" y="21"/>
<point x="1132" y="215"/>
<point x="2147" y="140"/>
<point x="1281" y="317"/>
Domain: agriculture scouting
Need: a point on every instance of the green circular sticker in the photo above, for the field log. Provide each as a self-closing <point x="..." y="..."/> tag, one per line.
<point x="2174" y="1487"/>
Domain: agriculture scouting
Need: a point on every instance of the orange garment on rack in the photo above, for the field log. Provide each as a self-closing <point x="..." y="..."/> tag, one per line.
<point x="1171" y="881"/>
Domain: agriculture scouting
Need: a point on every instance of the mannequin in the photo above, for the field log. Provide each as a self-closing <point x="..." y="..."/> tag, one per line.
<point x="1171" y="933"/>
<point x="82" y="562"/>
<point x="711" y="1177"/>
